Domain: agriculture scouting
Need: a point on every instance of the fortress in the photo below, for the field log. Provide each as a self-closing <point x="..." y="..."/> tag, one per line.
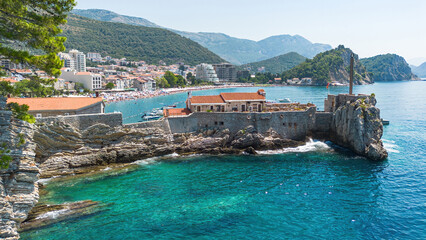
<point x="76" y="144"/>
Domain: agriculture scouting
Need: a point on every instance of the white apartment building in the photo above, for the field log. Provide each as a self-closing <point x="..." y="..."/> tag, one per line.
<point x="89" y="80"/>
<point x="94" y="56"/>
<point x="206" y="72"/>
<point x="74" y="59"/>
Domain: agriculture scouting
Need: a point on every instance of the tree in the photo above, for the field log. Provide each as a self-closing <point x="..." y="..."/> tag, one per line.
<point x="110" y="85"/>
<point x="28" y="32"/>
<point x="171" y="78"/>
<point x="162" y="82"/>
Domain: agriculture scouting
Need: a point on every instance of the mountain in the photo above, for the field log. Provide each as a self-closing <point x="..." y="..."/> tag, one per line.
<point x="133" y="42"/>
<point x="330" y="66"/>
<point x="234" y="50"/>
<point x="108" y="16"/>
<point x="420" y="70"/>
<point x="388" y="67"/>
<point x="277" y="64"/>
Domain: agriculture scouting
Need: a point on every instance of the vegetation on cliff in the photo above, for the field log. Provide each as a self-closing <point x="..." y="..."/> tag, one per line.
<point x="388" y="67"/>
<point x="134" y="42"/>
<point x="329" y="66"/>
<point x="277" y="64"/>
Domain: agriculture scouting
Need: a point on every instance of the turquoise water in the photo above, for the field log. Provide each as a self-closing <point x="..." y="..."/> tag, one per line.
<point x="328" y="193"/>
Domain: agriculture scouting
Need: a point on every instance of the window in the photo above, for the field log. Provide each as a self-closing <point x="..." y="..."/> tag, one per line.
<point x="198" y="109"/>
<point x="38" y="115"/>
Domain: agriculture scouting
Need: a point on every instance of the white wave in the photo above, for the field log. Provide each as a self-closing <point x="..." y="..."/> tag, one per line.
<point x="311" y="146"/>
<point x="390" y="146"/>
<point x="52" y="214"/>
<point x="107" y="168"/>
<point x="154" y="159"/>
<point x="46" y="180"/>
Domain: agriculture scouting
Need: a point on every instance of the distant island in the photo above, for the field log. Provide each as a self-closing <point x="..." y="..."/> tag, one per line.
<point x="330" y="67"/>
<point x="388" y="67"/>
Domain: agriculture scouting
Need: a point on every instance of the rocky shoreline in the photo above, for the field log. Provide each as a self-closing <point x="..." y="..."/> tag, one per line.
<point x="59" y="147"/>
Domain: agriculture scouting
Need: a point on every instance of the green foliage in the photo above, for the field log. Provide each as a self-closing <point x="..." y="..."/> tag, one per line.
<point x="21" y="139"/>
<point x="322" y="65"/>
<point x="134" y="42"/>
<point x="162" y="82"/>
<point x="109" y="85"/>
<point x="388" y="67"/>
<point x="33" y="88"/>
<point x="21" y="112"/>
<point x="277" y="64"/>
<point x="171" y="78"/>
<point x="5" y="159"/>
<point x="33" y="25"/>
<point x="6" y="88"/>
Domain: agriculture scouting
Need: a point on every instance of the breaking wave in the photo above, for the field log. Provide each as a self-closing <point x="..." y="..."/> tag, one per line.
<point x="52" y="214"/>
<point x="311" y="146"/>
<point x="390" y="146"/>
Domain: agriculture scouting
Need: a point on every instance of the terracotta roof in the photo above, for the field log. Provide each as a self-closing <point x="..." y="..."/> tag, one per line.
<point x="242" y="96"/>
<point x="83" y="73"/>
<point x="176" y="112"/>
<point x="63" y="103"/>
<point x="207" y="99"/>
<point x="8" y="80"/>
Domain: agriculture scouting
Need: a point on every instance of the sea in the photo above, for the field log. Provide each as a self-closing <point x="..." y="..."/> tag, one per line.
<point x="315" y="191"/>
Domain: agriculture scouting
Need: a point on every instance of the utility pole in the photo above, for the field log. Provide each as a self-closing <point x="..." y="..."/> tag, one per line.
<point x="351" y="77"/>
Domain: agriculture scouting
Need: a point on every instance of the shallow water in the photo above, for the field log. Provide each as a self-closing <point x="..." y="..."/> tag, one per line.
<point x="314" y="191"/>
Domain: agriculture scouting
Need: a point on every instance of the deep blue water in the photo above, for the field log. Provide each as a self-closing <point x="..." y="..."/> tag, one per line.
<point x="299" y="194"/>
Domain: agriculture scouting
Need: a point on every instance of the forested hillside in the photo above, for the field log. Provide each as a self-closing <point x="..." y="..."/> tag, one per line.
<point x="277" y="64"/>
<point x="133" y="42"/>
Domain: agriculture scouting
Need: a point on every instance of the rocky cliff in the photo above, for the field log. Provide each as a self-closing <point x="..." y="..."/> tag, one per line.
<point x="18" y="187"/>
<point x="357" y="126"/>
<point x="388" y="67"/>
<point x="63" y="148"/>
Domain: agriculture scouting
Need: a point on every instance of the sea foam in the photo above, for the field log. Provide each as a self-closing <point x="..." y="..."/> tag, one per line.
<point x="311" y="146"/>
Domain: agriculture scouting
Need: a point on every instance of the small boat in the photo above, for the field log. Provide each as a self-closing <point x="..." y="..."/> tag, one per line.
<point x="150" y="118"/>
<point x="385" y="122"/>
<point x="284" y="100"/>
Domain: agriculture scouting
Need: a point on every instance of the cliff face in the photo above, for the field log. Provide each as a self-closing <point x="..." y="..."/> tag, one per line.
<point x="357" y="126"/>
<point x="389" y="67"/>
<point x="18" y="187"/>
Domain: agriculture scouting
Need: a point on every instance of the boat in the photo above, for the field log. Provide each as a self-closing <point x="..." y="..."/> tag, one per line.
<point x="385" y="122"/>
<point x="284" y="100"/>
<point x="150" y="118"/>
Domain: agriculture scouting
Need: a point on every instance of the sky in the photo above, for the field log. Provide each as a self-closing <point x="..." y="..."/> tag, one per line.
<point x="368" y="27"/>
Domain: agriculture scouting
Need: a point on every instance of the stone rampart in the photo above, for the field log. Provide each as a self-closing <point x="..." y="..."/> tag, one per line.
<point x="295" y="125"/>
<point x="86" y="120"/>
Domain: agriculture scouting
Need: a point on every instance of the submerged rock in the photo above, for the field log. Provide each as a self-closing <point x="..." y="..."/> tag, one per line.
<point x="44" y="215"/>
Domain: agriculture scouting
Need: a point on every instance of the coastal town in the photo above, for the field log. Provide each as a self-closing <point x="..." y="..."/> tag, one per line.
<point x="218" y="122"/>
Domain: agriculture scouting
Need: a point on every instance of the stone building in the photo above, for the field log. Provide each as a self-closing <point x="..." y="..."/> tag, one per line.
<point x="61" y="106"/>
<point x="228" y="102"/>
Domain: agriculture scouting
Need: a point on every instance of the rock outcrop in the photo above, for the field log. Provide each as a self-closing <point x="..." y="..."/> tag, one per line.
<point x="18" y="187"/>
<point x="357" y="126"/>
<point x="388" y="67"/>
<point x="63" y="149"/>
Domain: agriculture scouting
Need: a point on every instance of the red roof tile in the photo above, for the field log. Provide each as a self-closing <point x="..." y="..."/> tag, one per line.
<point x="207" y="99"/>
<point x="63" y="103"/>
<point x="242" y="96"/>
<point x="176" y="112"/>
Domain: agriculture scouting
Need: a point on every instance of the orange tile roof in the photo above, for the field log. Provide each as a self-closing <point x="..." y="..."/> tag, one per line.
<point x="63" y="103"/>
<point x="176" y="112"/>
<point x="242" y="96"/>
<point x="83" y="73"/>
<point x="207" y="99"/>
<point x="8" y="80"/>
